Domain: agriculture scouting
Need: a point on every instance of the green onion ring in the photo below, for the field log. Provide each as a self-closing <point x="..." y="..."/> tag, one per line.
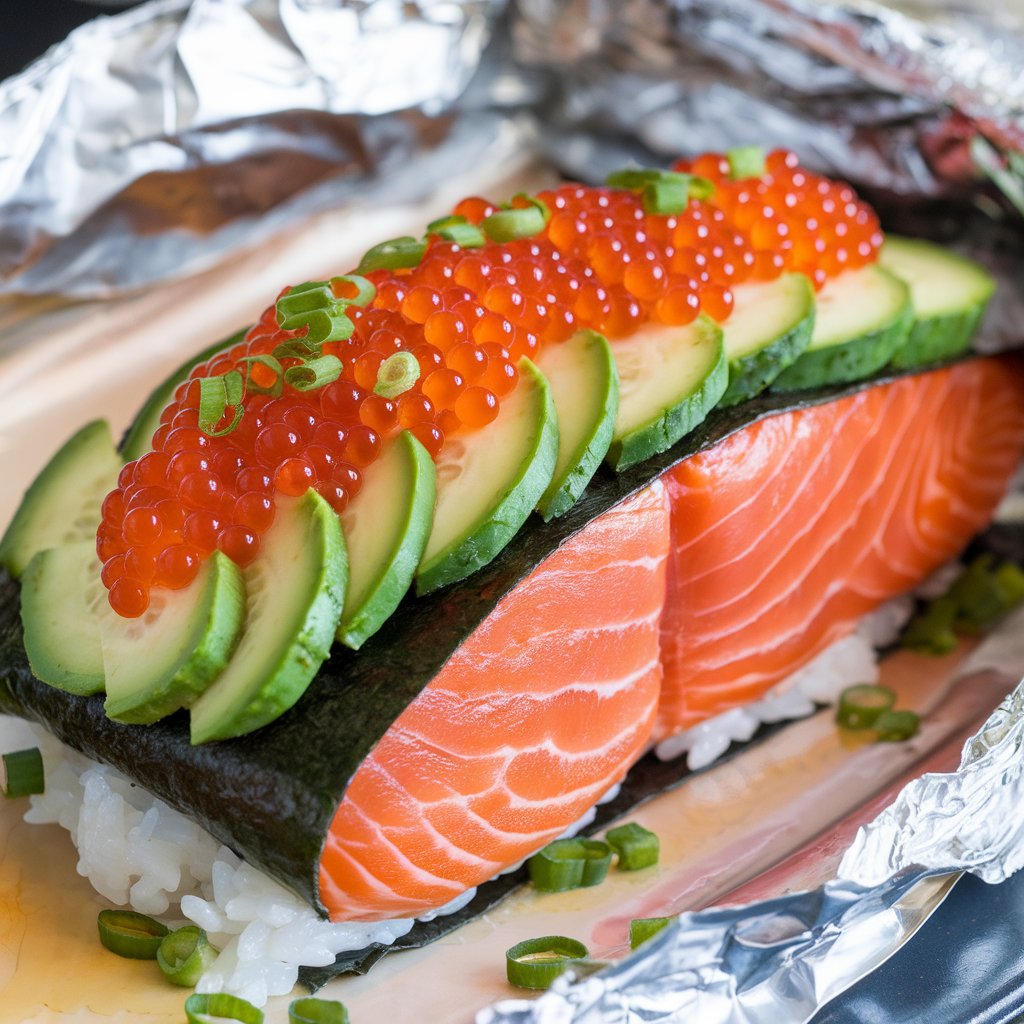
<point x="745" y="162"/>
<point x="643" y="928"/>
<point x="931" y="631"/>
<point x="202" y="1009"/>
<point x="316" y="373"/>
<point x="535" y="963"/>
<point x="23" y="773"/>
<point x="184" y="955"/>
<point x="302" y="299"/>
<point x="636" y="846"/>
<point x="396" y="375"/>
<point x="666" y="198"/>
<point x="366" y="291"/>
<point x="216" y="394"/>
<point x="896" y="726"/>
<point x="129" y="934"/>
<point x="860" y="705"/>
<point x="570" y="864"/>
<point x="517" y="222"/>
<point x="271" y="364"/>
<point x="317" y="1011"/>
<point x="396" y="254"/>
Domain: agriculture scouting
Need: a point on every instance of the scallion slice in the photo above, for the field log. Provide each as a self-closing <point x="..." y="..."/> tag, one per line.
<point x="201" y="1008"/>
<point x="317" y="1011"/>
<point x="636" y="846"/>
<point x="640" y="177"/>
<point x="23" y="773"/>
<point x="366" y="290"/>
<point x="184" y="955"/>
<point x="395" y="254"/>
<point x="535" y="963"/>
<point x="458" y="230"/>
<point x="216" y="395"/>
<point x="270" y="364"/>
<point x="979" y="599"/>
<point x="664" y="192"/>
<point x="129" y="934"/>
<point x="666" y="197"/>
<point x="746" y="162"/>
<point x="643" y="928"/>
<point x="896" y="726"/>
<point x="397" y="374"/>
<point x="303" y="298"/>
<point x="314" y="373"/>
<point x="860" y="706"/>
<point x="517" y="222"/>
<point x="931" y="630"/>
<point x="570" y="864"/>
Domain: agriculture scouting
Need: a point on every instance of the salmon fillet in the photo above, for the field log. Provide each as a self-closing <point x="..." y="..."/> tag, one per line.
<point x="789" y="531"/>
<point x="536" y="716"/>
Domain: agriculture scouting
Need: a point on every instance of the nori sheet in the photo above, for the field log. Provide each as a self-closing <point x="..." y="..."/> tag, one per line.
<point x="271" y="796"/>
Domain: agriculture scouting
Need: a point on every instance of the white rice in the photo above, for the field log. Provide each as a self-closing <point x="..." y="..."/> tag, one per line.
<point x="137" y="851"/>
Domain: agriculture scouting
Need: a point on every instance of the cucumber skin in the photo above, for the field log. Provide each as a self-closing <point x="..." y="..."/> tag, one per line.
<point x="392" y="588"/>
<point x="44" y="668"/>
<point x="310" y="647"/>
<point x="750" y="375"/>
<point x="136" y="440"/>
<point x="938" y="338"/>
<point x="220" y="625"/>
<point x="17" y="546"/>
<point x="560" y="496"/>
<point x="659" y="435"/>
<point x="465" y="556"/>
<point x="851" y="361"/>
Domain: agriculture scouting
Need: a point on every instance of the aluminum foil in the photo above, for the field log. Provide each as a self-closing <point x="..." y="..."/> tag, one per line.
<point x="779" y="960"/>
<point x="155" y="142"/>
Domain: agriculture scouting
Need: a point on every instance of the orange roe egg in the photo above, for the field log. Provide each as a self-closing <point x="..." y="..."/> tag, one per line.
<point x="129" y="598"/>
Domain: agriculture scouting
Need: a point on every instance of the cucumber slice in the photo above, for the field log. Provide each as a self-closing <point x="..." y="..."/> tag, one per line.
<point x="863" y="317"/>
<point x="136" y="441"/>
<point x="295" y="587"/>
<point x="489" y="481"/>
<point x="61" y="595"/>
<point x="386" y="528"/>
<point x="585" y="388"/>
<point x="164" y="659"/>
<point x="670" y="378"/>
<point x="949" y="295"/>
<point x="771" y="324"/>
<point x="62" y="505"/>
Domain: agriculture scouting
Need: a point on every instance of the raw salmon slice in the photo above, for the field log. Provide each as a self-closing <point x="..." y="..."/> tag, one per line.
<point x="539" y="713"/>
<point x="785" y="534"/>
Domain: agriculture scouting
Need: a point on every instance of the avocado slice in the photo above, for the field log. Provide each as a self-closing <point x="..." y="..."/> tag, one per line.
<point x="585" y="388"/>
<point x="670" y="378"/>
<point x="295" y="590"/>
<point x="489" y="481"/>
<point x="63" y="503"/>
<point x="948" y="293"/>
<point x="386" y="528"/>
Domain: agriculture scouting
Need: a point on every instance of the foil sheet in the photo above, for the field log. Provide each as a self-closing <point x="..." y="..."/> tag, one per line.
<point x="778" y="961"/>
<point x="155" y="142"/>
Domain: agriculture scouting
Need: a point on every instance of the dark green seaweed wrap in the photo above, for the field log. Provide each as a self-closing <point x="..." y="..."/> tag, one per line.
<point x="271" y="796"/>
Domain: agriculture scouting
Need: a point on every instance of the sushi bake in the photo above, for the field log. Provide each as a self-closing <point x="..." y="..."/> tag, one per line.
<point x="387" y="590"/>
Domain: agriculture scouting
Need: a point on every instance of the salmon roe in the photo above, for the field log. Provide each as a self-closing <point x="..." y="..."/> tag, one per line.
<point x="467" y="316"/>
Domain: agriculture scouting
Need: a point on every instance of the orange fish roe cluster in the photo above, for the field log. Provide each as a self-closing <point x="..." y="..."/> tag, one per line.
<point x="467" y="315"/>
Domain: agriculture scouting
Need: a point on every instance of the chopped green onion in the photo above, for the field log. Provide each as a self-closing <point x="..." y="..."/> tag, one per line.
<point x="302" y="299"/>
<point x="860" y="706"/>
<point x="643" y="928"/>
<point x="366" y="291"/>
<point x="317" y="1011"/>
<point x="397" y="374"/>
<point x="184" y="955"/>
<point x="129" y="934"/>
<point x="745" y="162"/>
<point x="296" y="348"/>
<point x="1010" y="580"/>
<point x="979" y="599"/>
<point x="517" y="222"/>
<point x="393" y="255"/>
<point x="570" y="864"/>
<point x="931" y="630"/>
<point x="896" y="726"/>
<point x="216" y="394"/>
<point x="535" y="963"/>
<point x="271" y="364"/>
<point x="23" y="773"/>
<point x="640" y="177"/>
<point x="636" y="846"/>
<point x="316" y="373"/>
<point x="219" y="1006"/>
<point x="325" y="325"/>
<point x="458" y="230"/>
<point x="667" y="197"/>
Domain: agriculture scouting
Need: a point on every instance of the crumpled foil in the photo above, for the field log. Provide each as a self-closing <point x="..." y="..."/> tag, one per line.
<point x="153" y="143"/>
<point x="779" y="960"/>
